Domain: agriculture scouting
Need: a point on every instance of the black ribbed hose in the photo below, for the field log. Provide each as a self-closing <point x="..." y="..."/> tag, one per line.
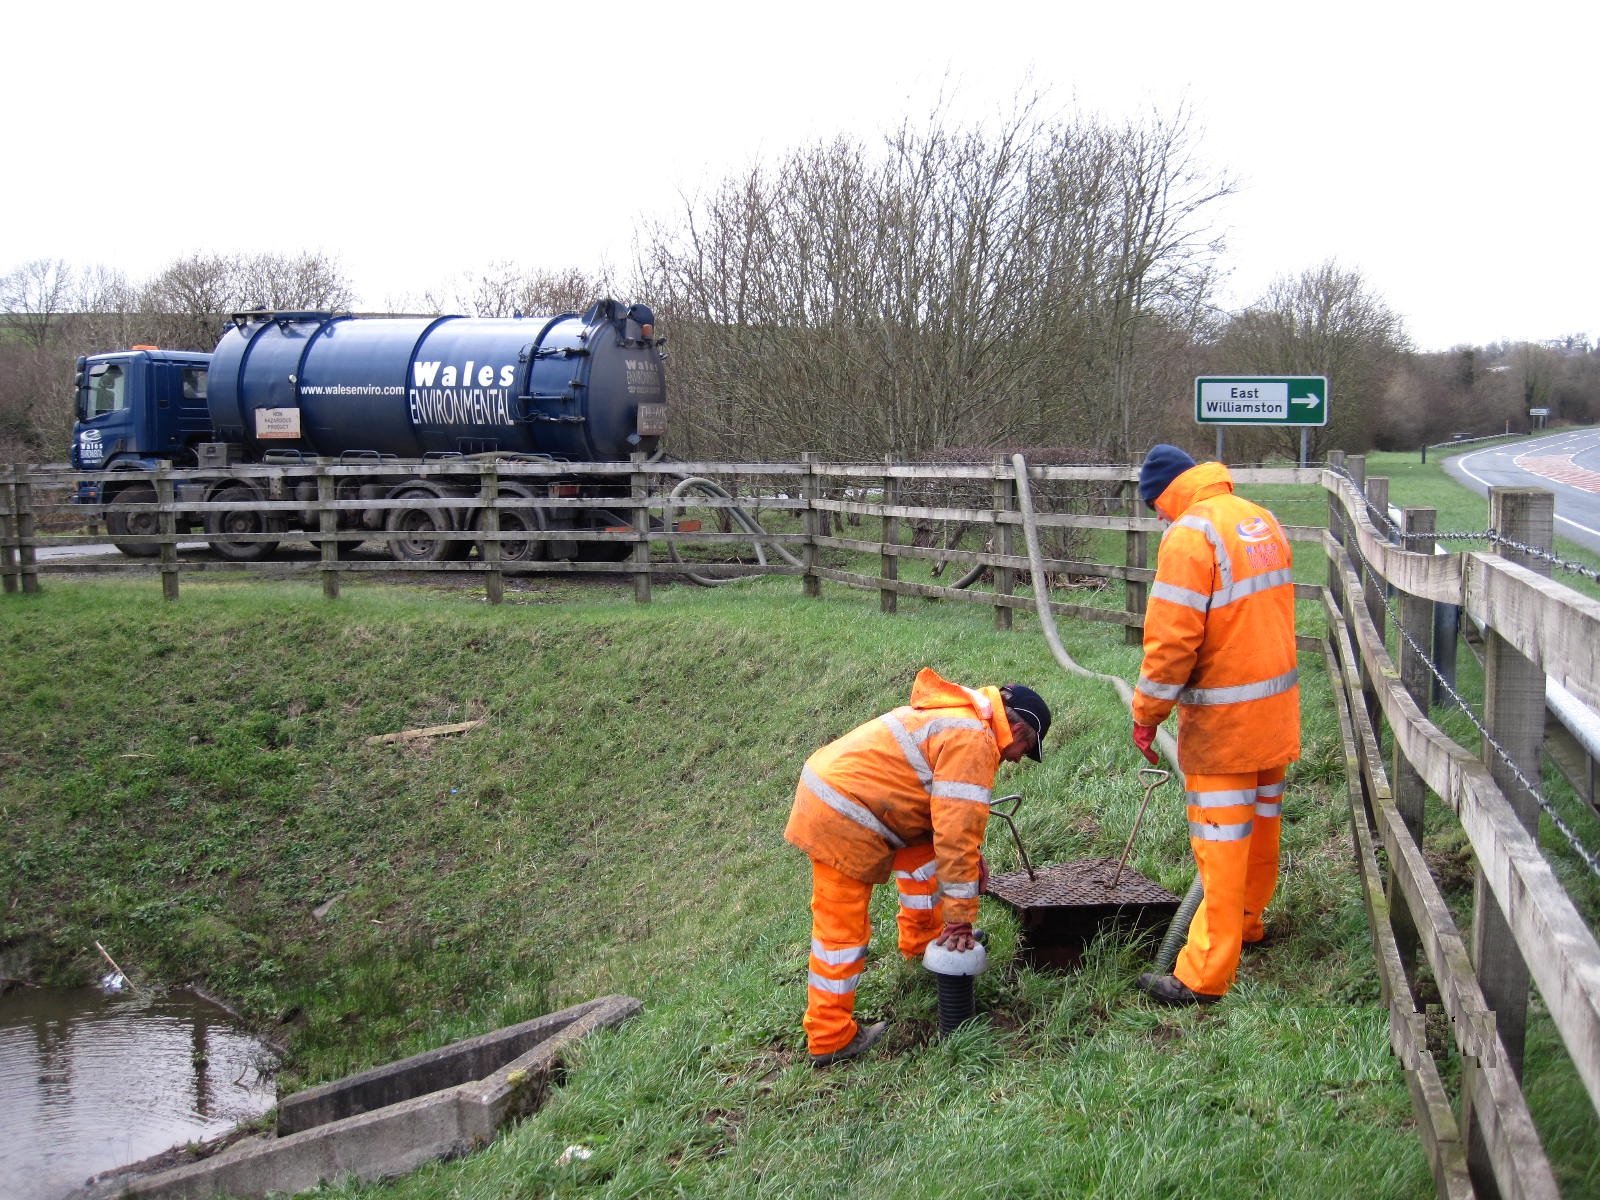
<point x="957" y="1001"/>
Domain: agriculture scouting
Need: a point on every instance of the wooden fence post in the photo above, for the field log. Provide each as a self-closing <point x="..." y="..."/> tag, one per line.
<point x="1514" y="707"/>
<point x="18" y="564"/>
<point x="810" y="581"/>
<point x="1373" y="584"/>
<point x="167" y="521"/>
<point x="1336" y="530"/>
<point x="494" y="580"/>
<point x="10" y="564"/>
<point x="1005" y="503"/>
<point x="889" y="561"/>
<point x="1513" y="710"/>
<point x="640" y="492"/>
<point x="328" y="527"/>
<point x="1137" y="553"/>
<point x="1410" y="793"/>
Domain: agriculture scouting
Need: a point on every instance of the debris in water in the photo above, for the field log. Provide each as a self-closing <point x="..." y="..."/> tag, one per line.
<point x="117" y="980"/>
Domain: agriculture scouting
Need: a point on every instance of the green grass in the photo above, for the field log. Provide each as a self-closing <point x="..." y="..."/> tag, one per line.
<point x="187" y="782"/>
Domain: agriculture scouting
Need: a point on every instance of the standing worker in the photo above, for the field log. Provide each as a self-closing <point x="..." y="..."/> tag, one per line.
<point x="1219" y="644"/>
<point x="907" y="794"/>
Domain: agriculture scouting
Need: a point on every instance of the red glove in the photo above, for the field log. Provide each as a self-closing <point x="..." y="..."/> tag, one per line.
<point x="1144" y="737"/>
<point x="956" y="935"/>
<point x="983" y="877"/>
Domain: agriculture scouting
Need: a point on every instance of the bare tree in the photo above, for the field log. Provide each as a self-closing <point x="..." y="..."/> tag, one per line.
<point x="964" y="287"/>
<point x="1324" y="321"/>
<point x="504" y="289"/>
<point x="34" y="296"/>
<point x="184" y="306"/>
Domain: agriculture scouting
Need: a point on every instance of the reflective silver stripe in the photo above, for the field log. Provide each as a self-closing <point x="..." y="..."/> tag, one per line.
<point x="1240" y="693"/>
<point x="917" y="901"/>
<point x="839" y="987"/>
<point x="952" y="789"/>
<point x="910" y="741"/>
<point x="1269" y="799"/>
<point x="1158" y="691"/>
<point x="1220" y="833"/>
<point x="1221" y="799"/>
<point x="908" y="746"/>
<point x="926" y="871"/>
<point x="835" y="958"/>
<point x="960" y="891"/>
<point x="846" y="807"/>
<point x="1174" y="594"/>
<point x="1219" y="549"/>
<point x="1249" y="587"/>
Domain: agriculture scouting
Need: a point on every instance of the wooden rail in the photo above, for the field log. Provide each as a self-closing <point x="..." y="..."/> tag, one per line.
<point x="811" y="507"/>
<point x="1524" y="927"/>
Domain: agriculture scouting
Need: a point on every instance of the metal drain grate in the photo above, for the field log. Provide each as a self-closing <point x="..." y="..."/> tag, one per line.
<point x="1081" y="883"/>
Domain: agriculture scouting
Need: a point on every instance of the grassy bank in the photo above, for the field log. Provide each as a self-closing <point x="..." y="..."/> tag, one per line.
<point x="191" y="785"/>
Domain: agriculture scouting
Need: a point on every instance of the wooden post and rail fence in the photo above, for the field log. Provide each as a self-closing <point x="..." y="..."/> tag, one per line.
<point x="1386" y="587"/>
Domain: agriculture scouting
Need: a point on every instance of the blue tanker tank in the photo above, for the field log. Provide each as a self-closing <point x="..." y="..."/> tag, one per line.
<point x="587" y="388"/>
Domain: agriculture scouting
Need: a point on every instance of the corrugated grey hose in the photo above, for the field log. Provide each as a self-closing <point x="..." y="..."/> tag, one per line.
<point x="1179" y="929"/>
<point x="696" y="483"/>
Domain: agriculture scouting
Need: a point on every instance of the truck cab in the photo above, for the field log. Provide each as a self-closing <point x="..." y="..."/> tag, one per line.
<point x="140" y="409"/>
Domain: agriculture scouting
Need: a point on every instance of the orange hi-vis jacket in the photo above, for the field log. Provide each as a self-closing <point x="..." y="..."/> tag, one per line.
<point x="921" y="773"/>
<point x="1219" y="630"/>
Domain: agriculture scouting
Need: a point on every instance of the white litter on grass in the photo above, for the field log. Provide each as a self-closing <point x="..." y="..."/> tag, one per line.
<point x="573" y="1154"/>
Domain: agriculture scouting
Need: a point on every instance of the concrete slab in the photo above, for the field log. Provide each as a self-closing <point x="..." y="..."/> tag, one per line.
<point x="393" y="1119"/>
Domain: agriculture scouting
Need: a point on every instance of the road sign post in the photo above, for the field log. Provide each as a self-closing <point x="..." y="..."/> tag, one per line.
<point x="1224" y="400"/>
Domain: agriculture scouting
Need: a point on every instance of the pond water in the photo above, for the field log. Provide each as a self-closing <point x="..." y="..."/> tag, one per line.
<point x="90" y="1081"/>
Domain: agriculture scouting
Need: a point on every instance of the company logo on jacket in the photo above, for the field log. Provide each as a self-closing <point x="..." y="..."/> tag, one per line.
<point x="1254" y="529"/>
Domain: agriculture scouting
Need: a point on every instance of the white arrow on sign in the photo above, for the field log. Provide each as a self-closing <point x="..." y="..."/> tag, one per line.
<point x="1308" y="402"/>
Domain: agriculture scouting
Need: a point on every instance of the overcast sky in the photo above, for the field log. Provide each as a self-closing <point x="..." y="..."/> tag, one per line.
<point x="1444" y="151"/>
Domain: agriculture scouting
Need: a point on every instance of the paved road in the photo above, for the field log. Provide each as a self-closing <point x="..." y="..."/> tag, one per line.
<point x="1567" y="464"/>
<point x="89" y="549"/>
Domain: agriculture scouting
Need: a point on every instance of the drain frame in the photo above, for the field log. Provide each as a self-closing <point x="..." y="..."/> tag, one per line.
<point x="1062" y="907"/>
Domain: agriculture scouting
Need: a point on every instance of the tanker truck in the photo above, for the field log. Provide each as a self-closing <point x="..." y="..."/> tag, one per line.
<point x="379" y="397"/>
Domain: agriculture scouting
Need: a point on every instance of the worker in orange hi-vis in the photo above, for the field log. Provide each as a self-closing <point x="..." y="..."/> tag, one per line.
<point x="906" y="794"/>
<point x="1219" y="646"/>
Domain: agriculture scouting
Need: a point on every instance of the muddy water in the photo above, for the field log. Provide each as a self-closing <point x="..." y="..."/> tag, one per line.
<point x="89" y="1082"/>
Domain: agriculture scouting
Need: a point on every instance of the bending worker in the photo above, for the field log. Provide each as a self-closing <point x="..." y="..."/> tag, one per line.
<point x="907" y="794"/>
<point x="1219" y="645"/>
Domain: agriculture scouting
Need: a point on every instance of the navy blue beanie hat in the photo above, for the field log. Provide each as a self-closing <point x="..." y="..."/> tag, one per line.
<point x="1162" y="465"/>
<point x="1028" y="705"/>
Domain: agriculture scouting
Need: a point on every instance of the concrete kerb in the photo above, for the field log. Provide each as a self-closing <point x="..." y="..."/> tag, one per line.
<point x="439" y="1109"/>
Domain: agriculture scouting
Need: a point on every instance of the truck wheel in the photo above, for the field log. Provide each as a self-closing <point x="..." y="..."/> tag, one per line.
<point x="421" y="520"/>
<point x="135" y="524"/>
<point x="238" y="522"/>
<point x="514" y="520"/>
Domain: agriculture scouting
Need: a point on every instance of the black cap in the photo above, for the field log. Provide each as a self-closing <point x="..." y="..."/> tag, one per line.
<point x="1030" y="707"/>
<point x="1162" y="465"/>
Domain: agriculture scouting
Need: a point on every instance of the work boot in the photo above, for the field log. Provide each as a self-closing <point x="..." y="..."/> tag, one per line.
<point x="866" y="1037"/>
<point x="1169" y="989"/>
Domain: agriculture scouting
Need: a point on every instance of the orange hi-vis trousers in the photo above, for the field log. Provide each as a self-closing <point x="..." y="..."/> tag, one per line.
<point x="841" y="929"/>
<point x="1233" y="827"/>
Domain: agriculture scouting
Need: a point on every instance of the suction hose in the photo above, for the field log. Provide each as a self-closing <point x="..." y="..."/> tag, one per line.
<point x="750" y="525"/>
<point x="1178" y="931"/>
<point x="695" y="483"/>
